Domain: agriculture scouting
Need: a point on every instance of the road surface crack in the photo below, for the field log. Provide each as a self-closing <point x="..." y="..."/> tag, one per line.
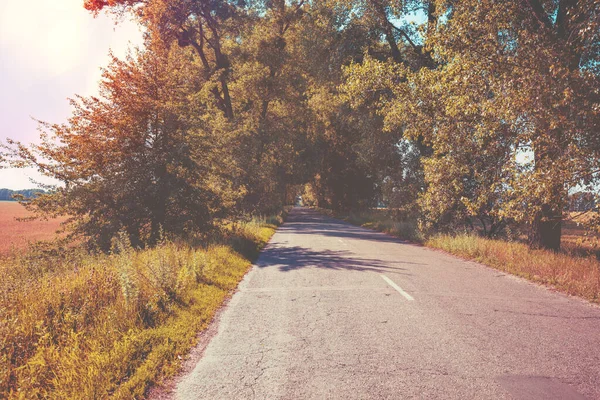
<point x="261" y="372"/>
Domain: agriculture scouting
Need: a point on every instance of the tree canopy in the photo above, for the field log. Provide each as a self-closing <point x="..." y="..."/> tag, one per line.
<point x="454" y="113"/>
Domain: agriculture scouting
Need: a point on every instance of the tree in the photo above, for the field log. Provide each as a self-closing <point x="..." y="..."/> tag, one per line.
<point x="544" y="80"/>
<point x="344" y="141"/>
<point x="195" y="23"/>
<point x="479" y="112"/>
<point x="139" y="158"/>
<point x="510" y="76"/>
<point x="268" y="91"/>
<point x="397" y="46"/>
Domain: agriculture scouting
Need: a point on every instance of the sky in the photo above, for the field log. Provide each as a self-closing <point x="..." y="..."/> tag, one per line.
<point x="50" y="51"/>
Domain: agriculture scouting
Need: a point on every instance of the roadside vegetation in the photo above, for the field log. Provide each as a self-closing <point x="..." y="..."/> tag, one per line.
<point x="455" y="114"/>
<point x="569" y="273"/>
<point x="90" y="326"/>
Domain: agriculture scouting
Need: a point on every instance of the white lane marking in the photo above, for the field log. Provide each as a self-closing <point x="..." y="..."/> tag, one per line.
<point x="312" y="289"/>
<point x="398" y="288"/>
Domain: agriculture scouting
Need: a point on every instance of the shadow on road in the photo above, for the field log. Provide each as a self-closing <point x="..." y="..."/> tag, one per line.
<point x="293" y="258"/>
<point x="342" y="231"/>
<point x="302" y="221"/>
<point x="309" y="222"/>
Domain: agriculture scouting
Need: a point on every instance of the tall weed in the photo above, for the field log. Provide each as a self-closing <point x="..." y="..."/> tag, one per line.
<point x="79" y="326"/>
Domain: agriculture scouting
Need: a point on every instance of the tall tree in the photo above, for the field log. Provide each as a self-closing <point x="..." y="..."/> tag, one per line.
<point x="268" y="90"/>
<point x="541" y="61"/>
<point x="138" y="158"/>
<point x="402" y="32"/>
<point x="195" y="23"/>
<point x="510" y="75"/>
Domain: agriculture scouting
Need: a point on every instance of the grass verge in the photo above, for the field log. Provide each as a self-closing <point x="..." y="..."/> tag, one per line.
<point x="568" y="273"/>
<point x="80" y="326"/>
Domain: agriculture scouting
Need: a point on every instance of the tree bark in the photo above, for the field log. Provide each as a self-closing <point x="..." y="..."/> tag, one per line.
<point x="546" y="229"/>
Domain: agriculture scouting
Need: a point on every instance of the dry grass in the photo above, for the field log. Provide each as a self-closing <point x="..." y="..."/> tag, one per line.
<point x="81" y="326"/>
<point x="16" y="235"/>
<point x="576" y="240"/>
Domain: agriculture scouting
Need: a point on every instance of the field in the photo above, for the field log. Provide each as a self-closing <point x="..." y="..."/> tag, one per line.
<point x="15" y="235"/>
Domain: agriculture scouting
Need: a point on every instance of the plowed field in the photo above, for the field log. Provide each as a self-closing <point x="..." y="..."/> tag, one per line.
<point x="16" y="234"/>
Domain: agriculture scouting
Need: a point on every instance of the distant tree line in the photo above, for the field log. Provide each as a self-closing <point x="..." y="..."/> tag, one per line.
<point x="583" y="201"/>
<point x="9" y="195"/>
<point x="452" y="113"/>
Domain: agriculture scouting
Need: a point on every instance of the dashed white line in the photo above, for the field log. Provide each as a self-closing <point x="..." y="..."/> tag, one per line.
<point x="398" y="288"/>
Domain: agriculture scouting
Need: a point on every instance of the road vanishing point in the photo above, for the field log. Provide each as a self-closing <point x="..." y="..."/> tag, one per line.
<point x="335" y="311"/>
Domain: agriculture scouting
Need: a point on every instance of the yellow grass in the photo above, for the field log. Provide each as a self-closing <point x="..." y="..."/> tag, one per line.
<point x="79" y="326"/>
<point x="575" y="239"/>
<point x="16" y="235"/>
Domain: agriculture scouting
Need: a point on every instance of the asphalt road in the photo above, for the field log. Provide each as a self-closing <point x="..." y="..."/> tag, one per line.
<point x="334" y="311"/>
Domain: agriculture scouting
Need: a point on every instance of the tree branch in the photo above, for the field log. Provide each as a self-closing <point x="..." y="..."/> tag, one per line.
<point x="406" y="36"/>
<point x="540" y="14"/>
<point x="298" y="6"/>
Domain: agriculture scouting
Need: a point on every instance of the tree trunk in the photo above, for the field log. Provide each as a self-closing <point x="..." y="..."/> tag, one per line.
<point x="546" y="227"/>
<point x="546" y="230"/>
<point x="159" y="205"/>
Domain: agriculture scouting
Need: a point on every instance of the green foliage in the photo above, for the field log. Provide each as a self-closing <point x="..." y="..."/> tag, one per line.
<point x="475" y="112"/>
<point x="504" y="117"/>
